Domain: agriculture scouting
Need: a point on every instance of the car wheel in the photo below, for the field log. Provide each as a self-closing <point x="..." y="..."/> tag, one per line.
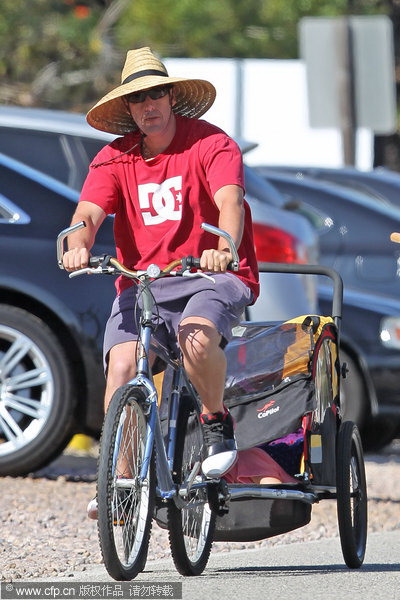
<point x="378" y="433"/>
<point x="353" y="396"/>
<point x="36" y="395"/>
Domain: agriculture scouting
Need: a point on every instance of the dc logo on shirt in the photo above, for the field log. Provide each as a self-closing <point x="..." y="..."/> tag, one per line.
<point x="161" y="202"/>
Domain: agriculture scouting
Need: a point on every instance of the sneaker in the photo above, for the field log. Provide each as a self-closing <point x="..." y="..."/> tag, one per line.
<point x="221" y="444"/>
<point x="93" y="513"/>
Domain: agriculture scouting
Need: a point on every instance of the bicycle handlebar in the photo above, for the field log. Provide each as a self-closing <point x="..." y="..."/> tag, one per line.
<point x="61" y="237"/>
<point x="234" y="265"/>
<point x="101" y="264"/>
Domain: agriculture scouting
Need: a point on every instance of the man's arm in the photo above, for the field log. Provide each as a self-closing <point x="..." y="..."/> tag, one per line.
<point x="229" y="200"/>
<point x="81" y="242"/>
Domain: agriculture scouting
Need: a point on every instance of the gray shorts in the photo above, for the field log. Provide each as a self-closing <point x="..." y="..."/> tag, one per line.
<point x="177" y="298"/>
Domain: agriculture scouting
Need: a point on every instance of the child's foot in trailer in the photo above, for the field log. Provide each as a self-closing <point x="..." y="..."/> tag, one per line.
<point x="221" y="444"/>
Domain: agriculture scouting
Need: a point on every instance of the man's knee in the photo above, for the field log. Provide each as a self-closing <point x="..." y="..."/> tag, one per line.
<point x="121" y="363"/>
<point x="197" y="337"/>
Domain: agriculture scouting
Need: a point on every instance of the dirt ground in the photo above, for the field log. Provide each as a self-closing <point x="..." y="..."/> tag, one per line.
<point x="45" y="531"/>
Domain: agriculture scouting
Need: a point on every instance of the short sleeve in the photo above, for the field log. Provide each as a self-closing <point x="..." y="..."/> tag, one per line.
<point x="100" y="186"/>
<point x="222" y="162"/>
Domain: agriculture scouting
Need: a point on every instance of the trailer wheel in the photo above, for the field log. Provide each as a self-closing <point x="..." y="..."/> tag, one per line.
<point x="351" y="495"/>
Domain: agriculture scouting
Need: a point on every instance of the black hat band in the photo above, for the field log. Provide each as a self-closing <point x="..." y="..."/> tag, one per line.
<point x="145" y="73"/>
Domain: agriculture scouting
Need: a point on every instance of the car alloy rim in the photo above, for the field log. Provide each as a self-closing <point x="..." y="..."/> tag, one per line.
<point x="26" y="390"/>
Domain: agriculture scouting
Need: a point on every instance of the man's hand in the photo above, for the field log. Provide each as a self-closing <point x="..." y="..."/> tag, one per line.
<point x="76" y="258"/>
<point x="216" y="261"/>
<point x="79" y="243"/>
<point x="229" y="200"/>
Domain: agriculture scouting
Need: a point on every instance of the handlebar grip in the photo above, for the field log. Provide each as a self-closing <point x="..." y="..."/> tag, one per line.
<point x="97" y="261"/>
<point x="190" y="262"/>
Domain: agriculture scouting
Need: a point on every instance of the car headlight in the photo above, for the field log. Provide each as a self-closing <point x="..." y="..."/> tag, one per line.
<point x="390" y="332"/>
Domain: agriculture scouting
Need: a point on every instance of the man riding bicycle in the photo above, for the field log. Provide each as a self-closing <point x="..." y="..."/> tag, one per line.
<point x="167" y="174"/>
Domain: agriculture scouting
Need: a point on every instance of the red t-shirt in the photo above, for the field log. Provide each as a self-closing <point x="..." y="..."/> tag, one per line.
<point x="159" y="204"/>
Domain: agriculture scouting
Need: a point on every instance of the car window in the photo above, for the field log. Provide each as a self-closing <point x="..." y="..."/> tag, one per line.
<point x="38" y="149"/>
<point x="22" y="195"/>
<point x="261" y="189"/>
<point x="318" y="219"/>
<point x="11" y="213"/>
<point x="356" y="186"/>
<point x="92" y="147"/>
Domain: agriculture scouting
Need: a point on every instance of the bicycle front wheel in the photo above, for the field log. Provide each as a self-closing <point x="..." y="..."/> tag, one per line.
<point x="125" y="488"/>
<point x="191" y="527"/>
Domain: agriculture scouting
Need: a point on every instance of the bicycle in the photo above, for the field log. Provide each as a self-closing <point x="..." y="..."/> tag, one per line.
<point x="137" y="467"/>
<point x="166" y="469"/>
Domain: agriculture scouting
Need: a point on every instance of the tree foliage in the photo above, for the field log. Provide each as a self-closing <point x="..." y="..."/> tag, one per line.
<point x="41" y="41"/>
<point x="234" y="28"/>
<point x="65" y="53"/>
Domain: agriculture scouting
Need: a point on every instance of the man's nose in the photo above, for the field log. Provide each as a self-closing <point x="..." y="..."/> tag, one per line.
<point x="148" y="100"/>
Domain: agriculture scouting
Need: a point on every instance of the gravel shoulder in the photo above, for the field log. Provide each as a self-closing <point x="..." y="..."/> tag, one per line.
<point x="45" y="531"/>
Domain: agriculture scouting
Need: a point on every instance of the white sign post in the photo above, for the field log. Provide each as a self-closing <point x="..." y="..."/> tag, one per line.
<point x="350" y="75"/>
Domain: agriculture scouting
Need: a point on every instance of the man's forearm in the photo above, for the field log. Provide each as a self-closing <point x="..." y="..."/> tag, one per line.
<point x="231" y="220"/>
<point x="83" y="238"/>
<point x="80" y="243"/>
<point x="93" y="216"/>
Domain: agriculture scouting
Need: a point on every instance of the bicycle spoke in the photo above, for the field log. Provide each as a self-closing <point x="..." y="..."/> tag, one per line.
<point x="191" y="527"/>
<point x="125" y="502"/>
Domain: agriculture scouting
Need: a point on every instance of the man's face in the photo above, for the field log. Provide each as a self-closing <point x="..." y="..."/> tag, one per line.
<point x="152" y="109"/>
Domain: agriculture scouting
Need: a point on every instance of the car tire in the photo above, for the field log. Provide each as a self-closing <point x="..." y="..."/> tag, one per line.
<point x="36" y="393"/>
<point x="353" y="396"/>
<point x="378" y="433"/>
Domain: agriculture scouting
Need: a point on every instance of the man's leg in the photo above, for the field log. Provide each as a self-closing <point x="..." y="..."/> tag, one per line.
<point x="204" y="360"/>
<point x="121" y="368"/>
<point x="205" y="364"/>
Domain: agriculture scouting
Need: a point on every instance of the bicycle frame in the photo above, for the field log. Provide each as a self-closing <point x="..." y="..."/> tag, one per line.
<point x="143" y="378"/>
<point x="164" y="452"/>
<point x="167" y="489"/>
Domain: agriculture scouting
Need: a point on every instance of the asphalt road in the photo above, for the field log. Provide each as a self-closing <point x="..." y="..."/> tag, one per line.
<point x="309" y="570"/>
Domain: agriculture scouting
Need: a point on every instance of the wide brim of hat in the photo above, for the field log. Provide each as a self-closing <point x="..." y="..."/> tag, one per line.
<point x="193" y="98"/>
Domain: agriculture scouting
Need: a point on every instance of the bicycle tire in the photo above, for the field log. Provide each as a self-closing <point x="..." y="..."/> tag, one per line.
<point x="191" y="527"/>
<point x="352" y="499"/>
<point x="125" y="508"/>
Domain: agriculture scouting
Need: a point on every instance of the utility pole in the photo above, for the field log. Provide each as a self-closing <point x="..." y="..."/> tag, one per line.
<point x="346" y="90"/>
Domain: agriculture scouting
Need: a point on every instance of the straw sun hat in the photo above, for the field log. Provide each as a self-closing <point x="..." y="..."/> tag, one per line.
<point x="142" y="71"/>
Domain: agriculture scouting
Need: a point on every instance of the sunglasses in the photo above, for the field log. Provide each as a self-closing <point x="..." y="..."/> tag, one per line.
<point x="154" y="93"/>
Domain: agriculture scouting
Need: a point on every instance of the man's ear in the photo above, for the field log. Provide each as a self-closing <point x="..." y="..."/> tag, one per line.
<point x="126" y="103"/>
<point x="172" y="96"/>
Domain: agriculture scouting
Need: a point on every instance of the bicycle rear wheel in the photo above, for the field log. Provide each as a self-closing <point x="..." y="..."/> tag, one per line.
<point x="191" y="527"/>
<point x="125" y="501"/>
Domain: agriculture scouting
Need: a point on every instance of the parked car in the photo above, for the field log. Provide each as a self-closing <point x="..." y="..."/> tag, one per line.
<point x="370" y="350"/>
<point x="357" y="245"/>
<point x="357" y="242"/>
<point x="51" y="327"/>
<point x="381" y="184"/>
<point x="58" y="143"/>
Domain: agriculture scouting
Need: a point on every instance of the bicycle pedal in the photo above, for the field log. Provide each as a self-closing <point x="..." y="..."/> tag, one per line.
<point x="218" y="494"/>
